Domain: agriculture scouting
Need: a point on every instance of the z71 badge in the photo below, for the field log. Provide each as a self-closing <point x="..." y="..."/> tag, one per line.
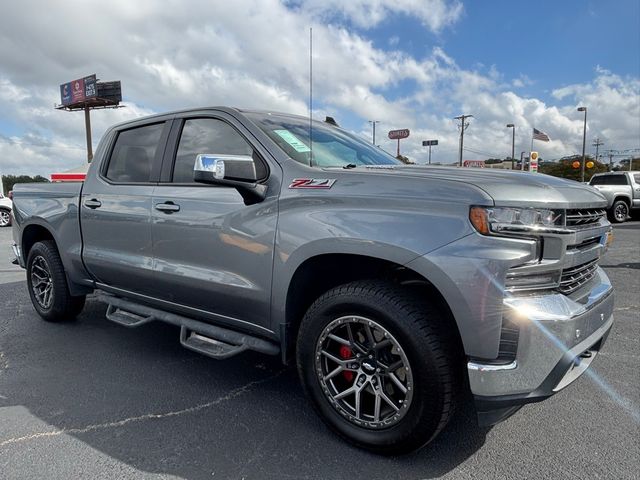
<point x="312" y="183"/>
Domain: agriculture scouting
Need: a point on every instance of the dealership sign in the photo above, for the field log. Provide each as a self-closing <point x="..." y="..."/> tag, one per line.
<point x="78" y="91"/>
<point x="473" y="163"/>
<point x="398" y="134"/>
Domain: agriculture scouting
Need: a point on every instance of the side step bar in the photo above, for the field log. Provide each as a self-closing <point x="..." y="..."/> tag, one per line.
<point x="211" y="340"/>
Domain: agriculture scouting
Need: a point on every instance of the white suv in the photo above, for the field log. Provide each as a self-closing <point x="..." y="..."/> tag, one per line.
<point x="5" y="211"/>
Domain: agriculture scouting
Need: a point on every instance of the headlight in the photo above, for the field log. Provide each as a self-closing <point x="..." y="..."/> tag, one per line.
<point x="487" y="220"/>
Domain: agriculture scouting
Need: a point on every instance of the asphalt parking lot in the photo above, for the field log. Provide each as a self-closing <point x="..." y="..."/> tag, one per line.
<point x="95" y="400"/>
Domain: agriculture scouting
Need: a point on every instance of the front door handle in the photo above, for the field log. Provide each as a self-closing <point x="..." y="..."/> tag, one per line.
<point x="93" y="203"/>
<point x="168" y="207"/>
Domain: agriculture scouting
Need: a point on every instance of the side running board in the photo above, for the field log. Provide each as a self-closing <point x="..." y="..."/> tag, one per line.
<point x="211" y="340"/>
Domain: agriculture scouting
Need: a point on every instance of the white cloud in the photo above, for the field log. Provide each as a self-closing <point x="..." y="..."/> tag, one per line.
<point x="434" y="14"/>
<point x="254" y="53"/>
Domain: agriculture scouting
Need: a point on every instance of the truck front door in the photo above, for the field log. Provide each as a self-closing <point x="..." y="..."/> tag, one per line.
<point x="213" y="253"/>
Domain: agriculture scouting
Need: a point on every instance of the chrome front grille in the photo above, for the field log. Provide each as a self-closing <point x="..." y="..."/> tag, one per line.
<point x="575" y="277"/>
<point x="584" y="216"/>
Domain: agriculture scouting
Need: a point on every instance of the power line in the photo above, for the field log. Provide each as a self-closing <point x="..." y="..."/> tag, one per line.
<point x="480" y="152"/>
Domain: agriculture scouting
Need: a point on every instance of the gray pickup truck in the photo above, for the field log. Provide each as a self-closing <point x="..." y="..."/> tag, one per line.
<point x="622" y="191"/>
<point x="397" y="290"/>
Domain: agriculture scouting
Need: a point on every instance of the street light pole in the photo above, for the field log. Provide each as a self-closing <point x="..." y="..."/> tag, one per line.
<point x="584" y="140"/>
<point x="463" y="127"/>
<point x="513" y="142"/>
<point x="373" y="124"/>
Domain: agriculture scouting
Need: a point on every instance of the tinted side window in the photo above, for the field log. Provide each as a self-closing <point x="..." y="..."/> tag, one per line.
<point x="610" y="180"/>
<point x="133" y="154"/>
<point x="206" y="135"/>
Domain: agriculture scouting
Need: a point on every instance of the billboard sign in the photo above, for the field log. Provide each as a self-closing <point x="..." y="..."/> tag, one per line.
<point x="398" y="134"/>
<point x="78" y="91"/>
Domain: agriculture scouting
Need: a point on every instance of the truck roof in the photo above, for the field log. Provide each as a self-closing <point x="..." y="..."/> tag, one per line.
<point x="200" y="109"/>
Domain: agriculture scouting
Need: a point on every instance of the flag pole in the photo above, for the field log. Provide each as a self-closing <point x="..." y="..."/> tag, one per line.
<point x="532" y="133"/>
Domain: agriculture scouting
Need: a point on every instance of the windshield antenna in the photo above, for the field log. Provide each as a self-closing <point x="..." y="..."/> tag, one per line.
<point x="310" y="96"/>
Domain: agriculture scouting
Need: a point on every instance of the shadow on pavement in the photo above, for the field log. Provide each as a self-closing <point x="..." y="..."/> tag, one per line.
<point x="141" y="399"/>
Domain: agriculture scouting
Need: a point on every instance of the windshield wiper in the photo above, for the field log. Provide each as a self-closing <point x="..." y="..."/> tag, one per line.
<point x="350" y="165"/>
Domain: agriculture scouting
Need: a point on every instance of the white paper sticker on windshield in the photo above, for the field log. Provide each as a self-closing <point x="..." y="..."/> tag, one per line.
<point x="292" y="140"/>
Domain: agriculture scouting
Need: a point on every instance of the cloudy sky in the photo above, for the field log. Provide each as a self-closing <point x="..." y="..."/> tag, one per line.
<point x="408" y="63"/>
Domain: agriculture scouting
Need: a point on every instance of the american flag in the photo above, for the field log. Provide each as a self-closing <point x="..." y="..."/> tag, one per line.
<point x="538" y="135"/>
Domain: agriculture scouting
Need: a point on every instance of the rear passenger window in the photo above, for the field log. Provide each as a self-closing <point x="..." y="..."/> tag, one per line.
<point x="609" y="180"/>
<point x="133" y="154"/>
<point x="206" y="135"/>
<point x="636" y="178"/>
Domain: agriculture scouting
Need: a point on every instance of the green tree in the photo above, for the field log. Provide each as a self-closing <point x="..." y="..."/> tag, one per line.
<point x="8" y="181"/>
<point x="624" y="164"/>
<point x="405" y="160"/>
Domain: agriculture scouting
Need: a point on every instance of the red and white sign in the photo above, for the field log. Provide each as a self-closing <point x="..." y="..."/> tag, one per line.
<point x="473" y="163"/>
<point x="68" y="177"/>
<point x="533" y="162"/>
<point x="398" y="134"/>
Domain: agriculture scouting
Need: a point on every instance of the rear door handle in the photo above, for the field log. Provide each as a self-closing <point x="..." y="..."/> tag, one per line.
<point x="167" y="207"/>
<point x="93" y="203"/>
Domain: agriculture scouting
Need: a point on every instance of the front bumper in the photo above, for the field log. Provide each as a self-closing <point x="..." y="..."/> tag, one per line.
<point x="559" y="338"/>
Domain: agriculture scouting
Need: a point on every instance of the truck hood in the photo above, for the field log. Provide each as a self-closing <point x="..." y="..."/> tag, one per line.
<point x="507" y="188"/>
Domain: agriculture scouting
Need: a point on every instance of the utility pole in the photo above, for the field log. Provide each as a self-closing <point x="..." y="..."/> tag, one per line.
<point x="373" y="124"/>
<point x="596" y="143"/>
<point x="584" y="140"/>
<point x="513" y="142"/>
<point x="463" y="126"/>
<point x="610" y="153"/>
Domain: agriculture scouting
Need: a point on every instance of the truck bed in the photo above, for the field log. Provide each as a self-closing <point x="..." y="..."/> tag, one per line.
<point x="56" y="206"/>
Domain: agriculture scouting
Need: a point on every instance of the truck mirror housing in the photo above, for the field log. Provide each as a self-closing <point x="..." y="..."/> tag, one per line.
<point x="238" y="171"/>
<point x="212" y="168"/>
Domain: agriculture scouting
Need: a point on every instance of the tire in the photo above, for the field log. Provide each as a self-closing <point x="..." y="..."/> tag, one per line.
<point x="5" y="218"/>
<point x="619" y="211"/>
<point x="411" y="328"/>
<point x="47" y="285"/>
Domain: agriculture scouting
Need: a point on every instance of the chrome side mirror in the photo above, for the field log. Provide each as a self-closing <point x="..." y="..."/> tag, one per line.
<point x="238" y="171"/>
<point x="212" y="168"/>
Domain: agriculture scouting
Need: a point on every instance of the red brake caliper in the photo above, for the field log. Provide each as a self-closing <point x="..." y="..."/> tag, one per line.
<point x="345" y="354"/>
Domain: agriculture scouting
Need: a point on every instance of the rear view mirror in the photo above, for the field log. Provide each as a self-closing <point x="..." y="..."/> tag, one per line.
<point x="237" y="171"/>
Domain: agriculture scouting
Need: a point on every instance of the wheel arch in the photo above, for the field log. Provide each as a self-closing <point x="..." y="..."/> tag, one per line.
<point x="623" y="198"/>
<point x="37" y="232"/>
<point x="33" y="233"/>
<point x="320" y="273"/>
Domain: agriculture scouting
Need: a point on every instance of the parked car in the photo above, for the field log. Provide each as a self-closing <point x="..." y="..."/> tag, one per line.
<point x="395" y="289"/>
<point x="6" y="205"/>
<point x="622" y="191"/>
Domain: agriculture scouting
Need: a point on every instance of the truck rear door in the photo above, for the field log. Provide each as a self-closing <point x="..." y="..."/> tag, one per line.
<point x="115" y="208"/>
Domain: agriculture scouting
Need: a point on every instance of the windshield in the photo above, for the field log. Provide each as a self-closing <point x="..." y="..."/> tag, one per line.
<point x="331" y="147"/>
